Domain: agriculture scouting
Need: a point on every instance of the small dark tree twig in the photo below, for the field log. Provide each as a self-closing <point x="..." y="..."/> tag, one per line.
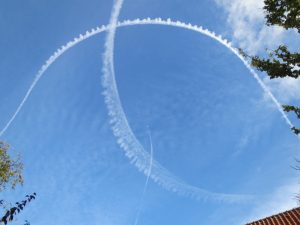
<point x="13" y="211"/>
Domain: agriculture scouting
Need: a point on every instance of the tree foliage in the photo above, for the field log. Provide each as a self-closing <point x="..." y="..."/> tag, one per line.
<point x="282" y="62"/>
<point x="10" y="169"/>
<point x="11" y="175"/>
<point x="285" y="13"/>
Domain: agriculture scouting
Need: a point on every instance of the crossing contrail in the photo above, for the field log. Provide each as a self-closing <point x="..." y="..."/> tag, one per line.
<point x="147" y="180"/>
<point x="125" y="137"/>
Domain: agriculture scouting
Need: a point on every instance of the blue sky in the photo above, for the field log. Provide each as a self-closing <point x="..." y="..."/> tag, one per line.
<point x="212" y="126"/>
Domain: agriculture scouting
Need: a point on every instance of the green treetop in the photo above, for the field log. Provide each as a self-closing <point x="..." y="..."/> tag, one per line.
<point x="10" y="169"/>
<point x="282" y="62"/>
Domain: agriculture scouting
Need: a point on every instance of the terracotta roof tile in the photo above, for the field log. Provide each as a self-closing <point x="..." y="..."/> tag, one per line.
<point x="291" y="217"/>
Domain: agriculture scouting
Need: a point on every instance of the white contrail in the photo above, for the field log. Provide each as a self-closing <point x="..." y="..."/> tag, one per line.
<point x="157" y="21"/>
<point x="147" y="180"/>
<point x="126" y="139"/>
<point x="44" y="68"/>
<point x="133" y="148"/>
<point x="107" y="59"/>
<point x="108" y="56"/>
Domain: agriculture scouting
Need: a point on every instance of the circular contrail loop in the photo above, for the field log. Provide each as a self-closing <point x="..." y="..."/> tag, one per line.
<point x="126" y="138"/>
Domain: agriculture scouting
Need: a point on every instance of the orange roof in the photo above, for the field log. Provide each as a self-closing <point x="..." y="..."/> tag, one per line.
<point x="291" y="217"/>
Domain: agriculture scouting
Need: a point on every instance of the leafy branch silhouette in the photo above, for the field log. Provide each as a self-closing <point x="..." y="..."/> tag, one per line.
<point x="13" y="211"/>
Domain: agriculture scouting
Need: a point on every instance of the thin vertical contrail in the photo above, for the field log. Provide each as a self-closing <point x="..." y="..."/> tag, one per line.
<point x="126" y="138"/>
<point x="108" y="56"/>
<point x="147" y="180"/>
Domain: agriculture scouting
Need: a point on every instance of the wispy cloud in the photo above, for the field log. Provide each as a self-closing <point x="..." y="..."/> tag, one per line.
<point x="287" y="89"/>
<point x="246" y="20"/>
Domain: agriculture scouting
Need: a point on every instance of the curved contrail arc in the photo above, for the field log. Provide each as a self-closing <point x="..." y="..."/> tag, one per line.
<point x="108" y="80"/>
<point x="126" y="139"/>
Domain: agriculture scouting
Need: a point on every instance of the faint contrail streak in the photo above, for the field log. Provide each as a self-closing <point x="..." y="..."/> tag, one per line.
<point x="126" y="139"/>
<point x="147" y="181"/>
